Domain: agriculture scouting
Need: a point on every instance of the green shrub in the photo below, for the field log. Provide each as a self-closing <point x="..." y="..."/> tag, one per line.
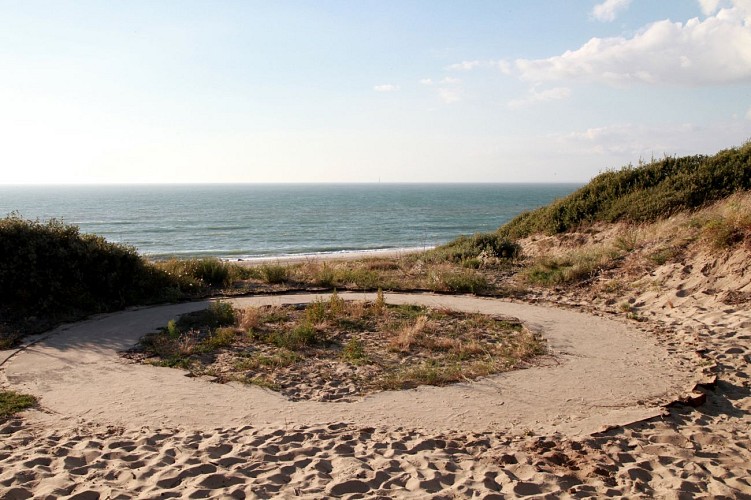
<point x="380" y="302"/>
<point x="468" y="248"/>
<point x="627" y="242"/>
<point x="326" y="276"/>
<point x="219" y="314"/>
<point x="211" y="271"/>
<point x="362" y="278"/>
<point x="49" y="270"/>
<point x="572" y="268"/>
<point x="663" y="255"/>
<point x="316" y="311"/>
<point x="722" y="233"/>
<point x="274" y="273"/>
<point x="642" y="194"/>
<point x="336" y="305"/>
<point x="221" y="337"/>
<point x="354" y="351"/>
<point x="206" y="272"/>
<point x="300" y="336"/>
<point x="172" y="329"/>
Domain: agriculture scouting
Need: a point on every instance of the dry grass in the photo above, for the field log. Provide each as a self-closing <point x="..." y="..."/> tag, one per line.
<point x="571" y="267"/>
<point x="418" y="271"/>
<point x="332" y="344"/>
<point x="408" y="335"/>
<point x="248" y="318"/>
<point x="575" y="257"/>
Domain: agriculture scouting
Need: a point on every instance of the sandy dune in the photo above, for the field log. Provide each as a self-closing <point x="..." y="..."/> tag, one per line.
<point x="109" y="426"/>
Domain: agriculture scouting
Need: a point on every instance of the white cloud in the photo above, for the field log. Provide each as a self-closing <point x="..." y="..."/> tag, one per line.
<point x="386" y="87"/>
<point x="467" y="65"/>
<point x="534" y="96"/>
<point x="450" y="90"/>
<point x="709" y="6"/>
<point x="627" y="142"/>
<point x="502" y="65"/>
<point x="716" y="50"/>
<point x="450" y="95"/>
<point x="748" y="114"/>
<point x="608" y="10"/>
<point x="445" y="81"/>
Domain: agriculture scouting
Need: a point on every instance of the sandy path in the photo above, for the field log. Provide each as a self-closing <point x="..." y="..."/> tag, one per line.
<point x="602" y="372"/>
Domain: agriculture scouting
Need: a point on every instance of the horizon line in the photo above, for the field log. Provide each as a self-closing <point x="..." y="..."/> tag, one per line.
<point x="275" y="183"/>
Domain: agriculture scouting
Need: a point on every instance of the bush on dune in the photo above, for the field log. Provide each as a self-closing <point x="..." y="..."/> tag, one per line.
<point x="50" y="272"/>
<point x="642" y="194"/>
<point x="465" y="248"/>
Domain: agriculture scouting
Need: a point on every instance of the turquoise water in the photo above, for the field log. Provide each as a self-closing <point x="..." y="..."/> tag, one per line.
<point x="274" y="220"/>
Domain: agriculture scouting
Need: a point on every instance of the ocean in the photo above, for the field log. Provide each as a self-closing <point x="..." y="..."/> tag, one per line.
<point x="251" y="221"/>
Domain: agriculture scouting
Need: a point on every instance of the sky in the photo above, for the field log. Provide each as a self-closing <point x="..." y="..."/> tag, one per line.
<point x="186" y="91"/>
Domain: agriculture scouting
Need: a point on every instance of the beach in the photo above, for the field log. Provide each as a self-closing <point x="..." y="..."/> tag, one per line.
<point x="109" y="427"/>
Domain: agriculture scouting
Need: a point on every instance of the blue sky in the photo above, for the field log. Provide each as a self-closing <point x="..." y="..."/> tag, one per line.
<point x="357" y="91"/>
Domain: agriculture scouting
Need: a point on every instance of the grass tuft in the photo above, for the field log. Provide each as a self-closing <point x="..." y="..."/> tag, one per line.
<point x="354" y="351"/>
<point x="12" y="402"/>
<point x="408" y="334"/>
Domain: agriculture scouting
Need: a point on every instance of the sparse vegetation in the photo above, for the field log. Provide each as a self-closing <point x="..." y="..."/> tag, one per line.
<point x="571" y="267"/>
<point x="369" y="344"/>
<point x="193" y="334"/>
<point x="12" y="402"/>
<point x="354" y="351"/>
<point x="460" y="281"/>
<point x="663" y="254"/>
<point x="207" y="272"/>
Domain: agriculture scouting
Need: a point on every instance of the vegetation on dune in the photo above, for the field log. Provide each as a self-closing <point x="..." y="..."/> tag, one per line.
<point x="12" y="402"/>
<point x="208" y="272"/>
<point x="641" y="194"/>
<point x="646" y="193"/>
<point x="487" y="245"/>
<point x="373" y="345"/>
<point x="50" y="272"/>
<point x="604" y="251"/>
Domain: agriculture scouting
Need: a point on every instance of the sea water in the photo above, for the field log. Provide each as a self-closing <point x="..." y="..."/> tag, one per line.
<point x="246" y="221"/>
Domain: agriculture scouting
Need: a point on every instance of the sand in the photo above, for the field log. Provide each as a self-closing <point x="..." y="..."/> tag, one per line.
<point x="108" y="427"/>
<point x="601" y="372"/>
